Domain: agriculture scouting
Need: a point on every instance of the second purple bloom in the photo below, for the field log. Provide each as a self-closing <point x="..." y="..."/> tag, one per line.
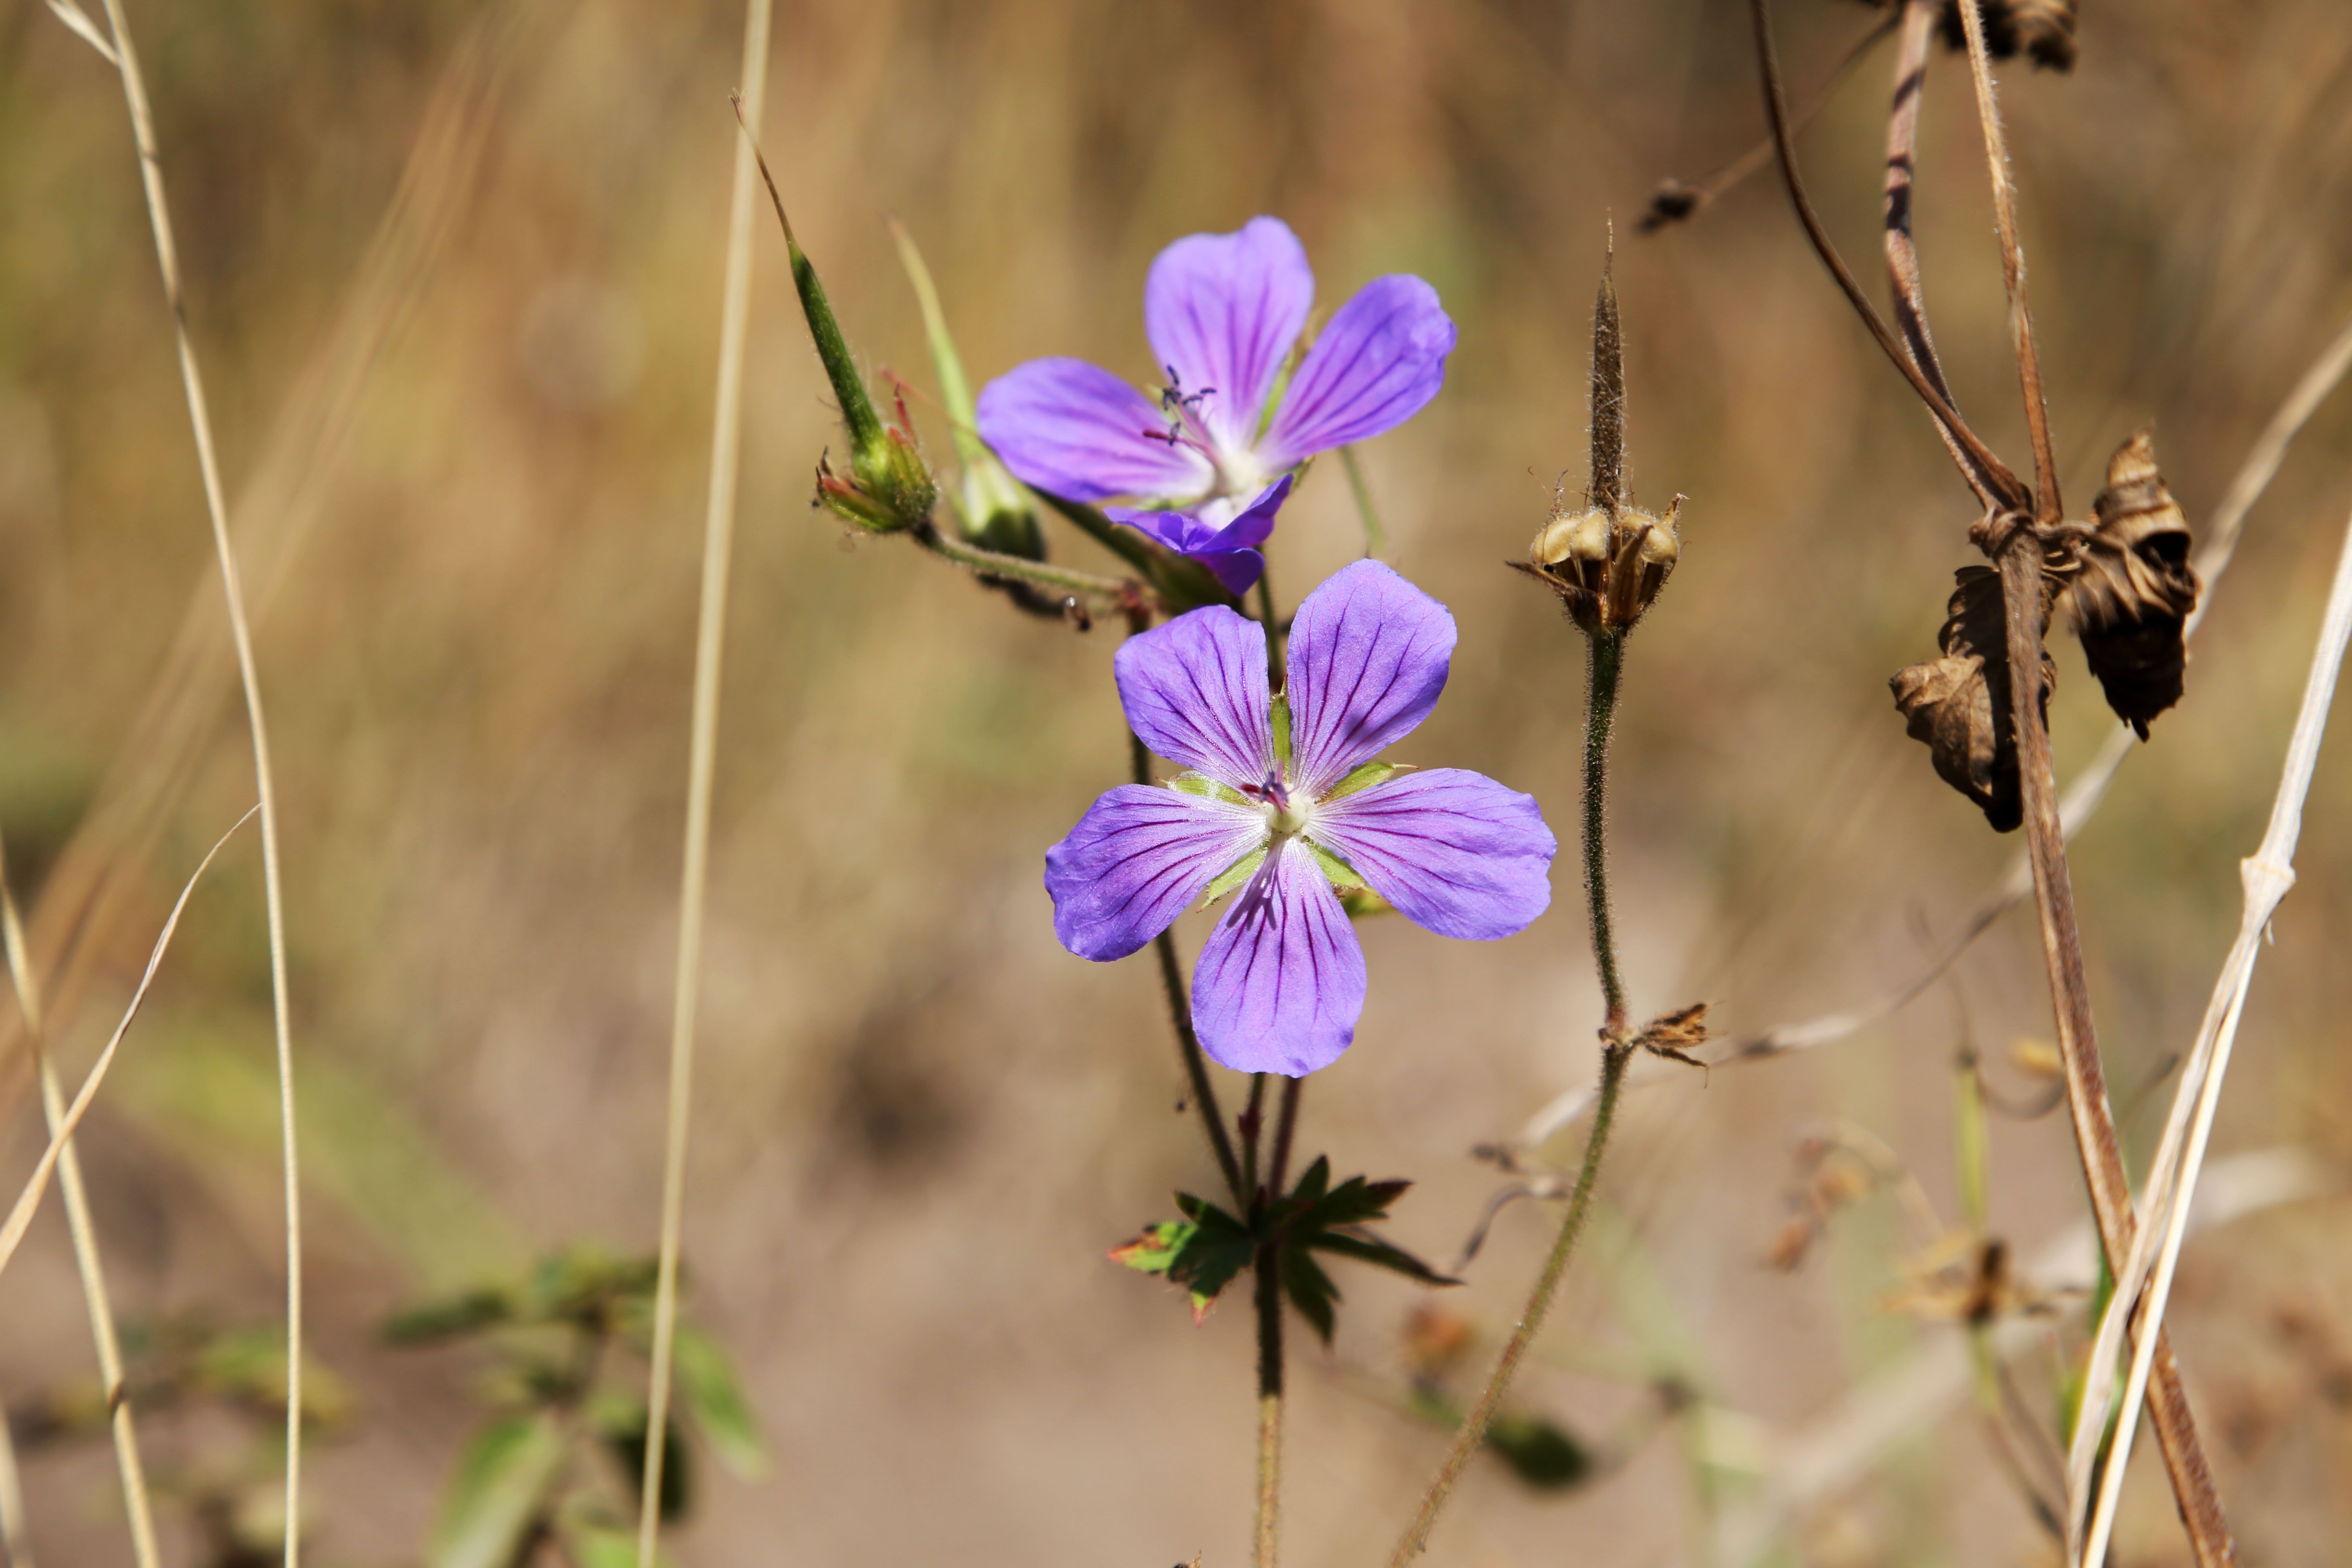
<point x="1284" y="808"/>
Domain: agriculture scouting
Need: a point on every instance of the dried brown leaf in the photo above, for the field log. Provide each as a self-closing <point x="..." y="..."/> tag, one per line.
<point x="2134" y="588"/>
<point x="1958" y="705"/>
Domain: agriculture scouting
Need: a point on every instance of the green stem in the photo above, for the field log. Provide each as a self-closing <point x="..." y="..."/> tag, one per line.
<point x="1608" y="657"/>
<point x="1286" y="1125"/>
<point x="1376" y="538"/>
<point x="991" y="564"/>
<point x="1180" y="1014"/>
<point x="1272" y="622"/>
<point x="1613" y="1057"/>
<point x="1127" y="546"/>
<point x="1607" y="660"/>
<point x="1252" y="1120"/>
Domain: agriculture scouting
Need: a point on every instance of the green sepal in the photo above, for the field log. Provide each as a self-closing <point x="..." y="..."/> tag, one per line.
<point x="1232" y="877"/>
<point x="1207" y="788"/>
<point x="1362" y="903"/>
<point x="1363" y="778"/>
<point x="1310" y="1290"/>
<point x="1280" y="715"/>
<point x="993" y="511"/>
<point x="1344" y="878"/>
<point x="500" y="1493"/>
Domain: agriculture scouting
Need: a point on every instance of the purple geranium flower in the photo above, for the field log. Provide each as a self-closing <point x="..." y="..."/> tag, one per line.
<point x="1281" y="983"/>
<point x="1223" y="313"/>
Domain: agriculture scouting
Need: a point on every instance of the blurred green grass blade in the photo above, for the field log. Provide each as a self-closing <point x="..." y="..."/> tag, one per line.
<point x="713" y="1393"/>
<point x="501" y="1492"/>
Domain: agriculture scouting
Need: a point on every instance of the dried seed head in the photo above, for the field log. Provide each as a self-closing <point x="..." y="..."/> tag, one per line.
<point x="1606" y="569"/>
<point x="2134" y="588"/>
<point x="1959" y="704"/>
<point x="2042" y="30"/>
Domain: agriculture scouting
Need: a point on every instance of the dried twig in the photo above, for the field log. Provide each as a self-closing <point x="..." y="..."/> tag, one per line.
<point x="1983" y="468"/>
<point x="2018" y="549"/>
<point x="151" y="171"/>
<point x="2268" y="873"/>
<point x="702" y="761"/>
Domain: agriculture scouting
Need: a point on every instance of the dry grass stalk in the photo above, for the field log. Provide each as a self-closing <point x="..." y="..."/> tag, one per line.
<point x="2172" y="1186"/>
<point x="710" y="641"/>
<point x="29" y="1202"/>
<point x="151" y="171"/>
<point x="93" y="885"/>
<point x="136" y="1507"/>
<point x="14" y="1536"/>
<point x="2018" y="549"/>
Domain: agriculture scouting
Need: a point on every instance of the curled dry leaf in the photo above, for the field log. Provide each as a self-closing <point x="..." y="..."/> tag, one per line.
<point x="2134" y="588"/>
<point x="1959" y="704"/>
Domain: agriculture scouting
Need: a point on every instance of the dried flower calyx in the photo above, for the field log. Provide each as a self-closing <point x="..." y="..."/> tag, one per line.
<point x="2134" y="588"/>
<point x="1608" y="561"/>
<point x="1959" y="704"/>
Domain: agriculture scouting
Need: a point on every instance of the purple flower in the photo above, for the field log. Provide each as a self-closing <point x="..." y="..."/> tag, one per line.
<point x="1223" y="313"/>
<point x="1292" y="812"/>
<point x="1230" y="553"/>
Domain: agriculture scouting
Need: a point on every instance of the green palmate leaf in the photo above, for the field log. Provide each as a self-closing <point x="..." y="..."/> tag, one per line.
<point x="1280" y="715"/>
<point x="713" y="1395"/>
<point x="500" y="1494"/>
<point x="1232" y="877"/>
<point x="600" y="1545"/>
<point x="621" y="1421"/>
<point x="1310" y="1290"/>
<point x="450" y="1318"/>
<point x="1363" y="778"/>
<point x="1539" y="1452"/>
<point x="1202" y="1252"/>
<point x="1365" y="1247"/>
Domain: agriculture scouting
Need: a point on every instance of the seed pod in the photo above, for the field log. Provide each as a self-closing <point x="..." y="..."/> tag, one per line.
<point x="1606" y="569"/>
<point x="1959" y="704"/>
<point x="2134" y="588"/>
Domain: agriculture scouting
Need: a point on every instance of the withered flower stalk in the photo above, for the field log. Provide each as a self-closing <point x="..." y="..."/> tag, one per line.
<point x="1606" y="564"/>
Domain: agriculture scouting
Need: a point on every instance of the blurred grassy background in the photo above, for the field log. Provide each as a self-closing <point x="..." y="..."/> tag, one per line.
<point x="477" y="432"/>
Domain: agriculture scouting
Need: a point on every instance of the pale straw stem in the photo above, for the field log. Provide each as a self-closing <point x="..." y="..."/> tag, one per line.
<point x="150" y="172"/>
<point x="718" y="552"/>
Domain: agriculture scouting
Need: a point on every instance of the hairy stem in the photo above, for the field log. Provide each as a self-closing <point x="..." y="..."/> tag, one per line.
<point x="1613" y="1057"/>
<point x="992" y="563"/>
<point x="151" y="171"/>
<point x="1269" y="1404"/>
<point x="1251" y="1121"/>
<point x="1608" y="654"/>
<point x="2086" y="1087"/>
<point x="1606" y="660"/>
<point x="702" y="759"/>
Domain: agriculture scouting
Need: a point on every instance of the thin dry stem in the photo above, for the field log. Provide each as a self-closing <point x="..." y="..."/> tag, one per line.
<point x="2078" y="1046"/>
<point x="1983" y="468"/>
<point x="702" y="759"/>
<point x="136" y="1507"/>
<point x="2171" y="1186"/>
<point x="151" y="171"/>
<point x="29" y="1202"/>
<point x="2049" y="508"/>
<point x="15" y="1535"/>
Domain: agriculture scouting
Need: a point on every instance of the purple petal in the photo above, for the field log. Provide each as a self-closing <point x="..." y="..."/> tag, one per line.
<point x="1256" y="524"/>
<point x="1077" y="430"/>
<point x="1222" y="311"/>
<point x="1281" y="983"/>
<point x="1137" y="857"/>
<point x="1455" y="851"/>
<point x="1368" y="654"/>
<point x="1377" y="364"/>
<point x="1229" y="552"/>
<point x="1178" y="530"/>
<point x="1195" y="691"/>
